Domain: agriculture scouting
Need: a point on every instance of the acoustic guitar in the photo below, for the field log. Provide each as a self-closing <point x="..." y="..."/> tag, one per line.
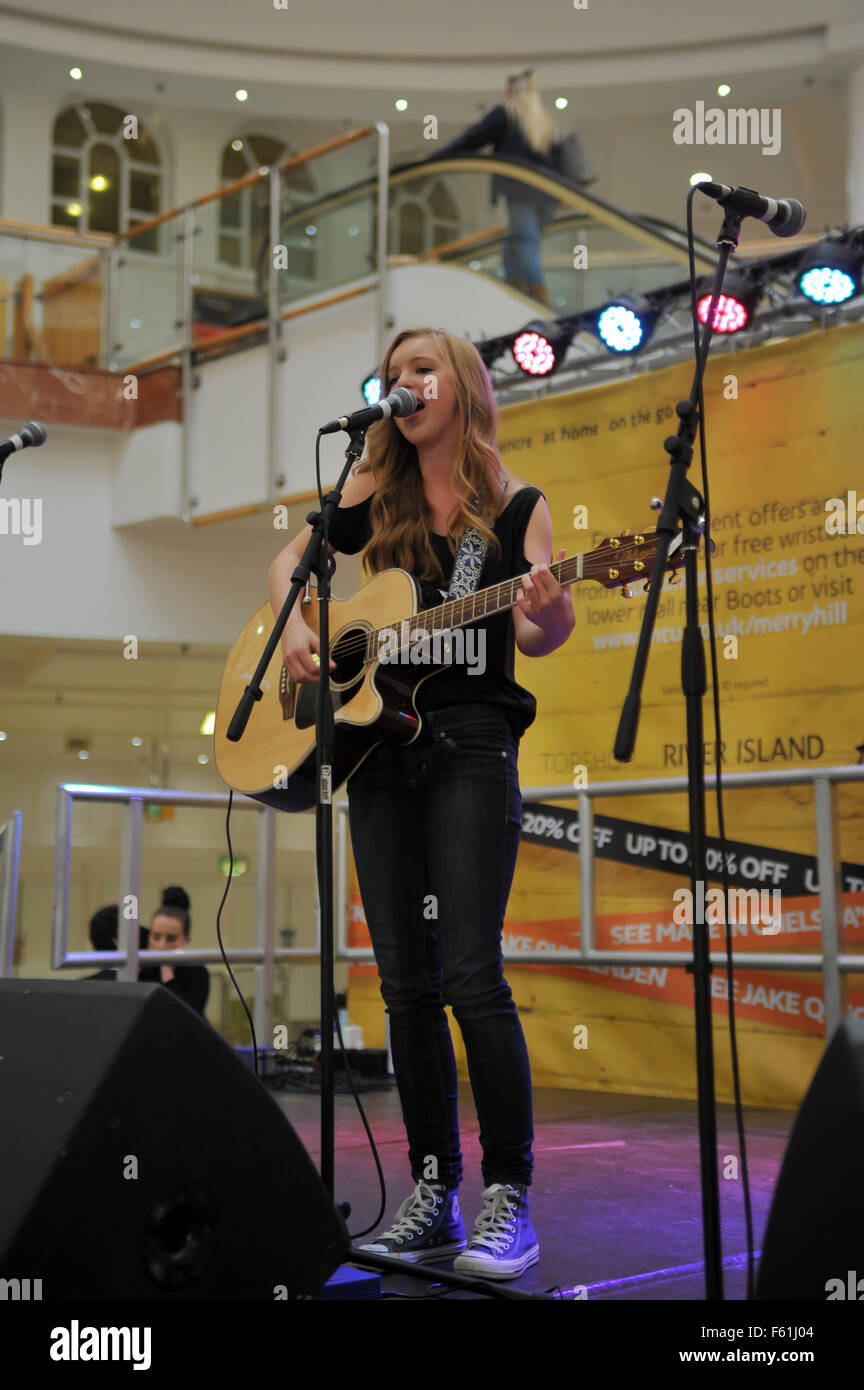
<point x="384" y="646"/>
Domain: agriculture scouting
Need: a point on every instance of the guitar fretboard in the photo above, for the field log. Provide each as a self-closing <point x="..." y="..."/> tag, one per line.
<point x="483" y="603"/>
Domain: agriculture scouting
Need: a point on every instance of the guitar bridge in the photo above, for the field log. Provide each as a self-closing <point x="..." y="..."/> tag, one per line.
<point x="287" y="695"/>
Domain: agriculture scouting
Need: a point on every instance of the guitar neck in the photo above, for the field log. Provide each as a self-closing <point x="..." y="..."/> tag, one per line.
<point x="483" y="603"/>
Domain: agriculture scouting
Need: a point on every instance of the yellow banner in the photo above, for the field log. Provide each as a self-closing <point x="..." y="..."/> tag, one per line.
<point x="783" y="429"/>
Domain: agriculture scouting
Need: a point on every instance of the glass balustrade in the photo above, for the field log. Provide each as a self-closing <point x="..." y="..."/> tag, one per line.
<point x="51" y="297"/>
<point x="166" y="295"/>
<point x="148" y="292"/>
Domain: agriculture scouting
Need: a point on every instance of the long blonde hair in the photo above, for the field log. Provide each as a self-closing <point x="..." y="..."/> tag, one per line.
<point x="525" y="105"/>
<point x="399" y="513"/>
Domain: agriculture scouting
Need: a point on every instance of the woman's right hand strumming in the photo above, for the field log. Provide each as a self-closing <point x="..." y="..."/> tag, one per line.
<point x="300" y="651"/>
<point x="299" y="642"/>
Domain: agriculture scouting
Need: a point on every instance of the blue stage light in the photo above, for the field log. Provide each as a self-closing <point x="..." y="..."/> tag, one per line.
<point x="371" y="389"/>
<point x="620" y="329"/>
<point x="625" y="325"/>
<point x="829" y="272"/>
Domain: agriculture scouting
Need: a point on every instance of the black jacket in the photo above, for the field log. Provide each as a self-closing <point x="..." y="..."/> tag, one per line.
<point x="191" y="983"/>
<point x="497" y="129"/>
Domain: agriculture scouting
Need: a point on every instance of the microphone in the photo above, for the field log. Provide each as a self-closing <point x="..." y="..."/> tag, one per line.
<point x="32" y="434"/>
<point x="784" y="216"/>
<point x="399" y="402"/>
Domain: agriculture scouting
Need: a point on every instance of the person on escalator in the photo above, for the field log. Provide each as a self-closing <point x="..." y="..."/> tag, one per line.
<point x="523" y="128"/>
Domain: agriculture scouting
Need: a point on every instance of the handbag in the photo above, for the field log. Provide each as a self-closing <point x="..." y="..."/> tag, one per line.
<point x="572" y="160"/>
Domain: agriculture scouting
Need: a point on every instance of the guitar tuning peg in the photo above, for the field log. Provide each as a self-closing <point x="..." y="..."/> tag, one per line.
<point x="656" y="503"/>
<point x="646" y="586"/>
<point x="674" y="579"/>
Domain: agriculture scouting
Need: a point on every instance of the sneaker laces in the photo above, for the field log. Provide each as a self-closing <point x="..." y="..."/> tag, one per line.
<point x="411" y="1216"/>
<point x="495" y="1223"/>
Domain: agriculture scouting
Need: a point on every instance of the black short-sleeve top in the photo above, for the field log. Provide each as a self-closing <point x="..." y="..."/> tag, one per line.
<point x="456" y="685"/>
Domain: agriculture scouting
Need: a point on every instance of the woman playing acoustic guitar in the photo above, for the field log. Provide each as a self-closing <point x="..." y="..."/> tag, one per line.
<point x="435" y="823"/>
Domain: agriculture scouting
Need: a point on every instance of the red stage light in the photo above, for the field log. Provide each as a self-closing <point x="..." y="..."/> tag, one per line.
<point x="730" y="315"/>
<point x="534" y="354"/>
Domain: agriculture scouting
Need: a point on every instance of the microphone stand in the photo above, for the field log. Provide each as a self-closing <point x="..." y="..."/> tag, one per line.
<point x="315" y="558"/>
<point x="683" y="504"/>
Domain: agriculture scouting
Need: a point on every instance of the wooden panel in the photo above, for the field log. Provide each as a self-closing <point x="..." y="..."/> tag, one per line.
<point x="87" y="398"/>
<point x="72" y="315"/>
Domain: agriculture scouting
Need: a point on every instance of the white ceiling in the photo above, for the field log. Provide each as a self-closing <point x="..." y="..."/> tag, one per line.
<point x="449" y="59"/>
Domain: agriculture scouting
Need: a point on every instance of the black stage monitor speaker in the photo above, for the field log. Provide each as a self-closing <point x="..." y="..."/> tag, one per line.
<point x="814" y="1243"/>
<point x="140" y="1159"/>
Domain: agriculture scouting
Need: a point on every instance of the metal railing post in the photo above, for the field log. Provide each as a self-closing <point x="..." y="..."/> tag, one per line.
<point x="274" y="335"/>
<point x="130" y="888"/>
<point x="62" y="861"/>
<point x="586" y="873"/>
<point x="186" y="371"/>
<point x="109" y="307"/>
<point x="265" y="927"/>
<point x="830" y="898"/>
<point x="382" y="231"/>
<point x="10" y="843"/>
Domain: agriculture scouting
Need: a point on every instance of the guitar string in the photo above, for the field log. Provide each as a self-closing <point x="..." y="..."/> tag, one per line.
<point x="566" y="570"/>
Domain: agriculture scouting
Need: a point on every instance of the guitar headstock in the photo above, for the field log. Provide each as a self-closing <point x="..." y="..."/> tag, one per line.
<point x="619" y="560"/>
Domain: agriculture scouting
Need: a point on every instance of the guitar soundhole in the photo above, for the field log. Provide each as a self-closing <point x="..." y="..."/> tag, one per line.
<point x="349" y="653"/>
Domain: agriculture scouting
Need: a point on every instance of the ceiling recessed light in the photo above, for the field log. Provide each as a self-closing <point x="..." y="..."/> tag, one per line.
<point x="76" y="74"/>
<point x="202" y="758"/>
<point x="73" y="209"/>
<point x="236" y="144"/>
<point x="98" y="183"/>
<point x="83" y="754"/>
<point x="724" y="89"/>
<point x="561" y="103"/>
<point x="136" y="742"/>
<point x="241" y="94"/>
<point x="401" y="104"/>
<point x="2" y="737"/>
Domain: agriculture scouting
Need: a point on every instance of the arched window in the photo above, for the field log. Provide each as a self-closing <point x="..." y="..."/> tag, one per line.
<point x="244" y="217"/>
<point x="107" y="171"/>
<point x="424" y="215"/>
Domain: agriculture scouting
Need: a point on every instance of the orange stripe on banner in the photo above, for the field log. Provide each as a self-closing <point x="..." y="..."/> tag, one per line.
<point x="763" y="997"/>
<point x="800" y="925"/>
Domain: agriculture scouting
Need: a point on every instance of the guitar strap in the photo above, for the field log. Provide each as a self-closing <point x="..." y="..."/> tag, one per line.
<point x="470" y="555"/>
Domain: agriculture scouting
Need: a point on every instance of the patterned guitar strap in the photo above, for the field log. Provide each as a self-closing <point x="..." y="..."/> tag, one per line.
<point x="468" y="564"/>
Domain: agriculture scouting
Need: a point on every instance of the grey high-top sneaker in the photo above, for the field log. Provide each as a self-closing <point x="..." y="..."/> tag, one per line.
<point x="504" y="1242"/>
<point x="428" y="1226"/>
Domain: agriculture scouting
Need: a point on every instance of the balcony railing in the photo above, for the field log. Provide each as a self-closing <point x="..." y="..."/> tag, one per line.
<point x="322" y="225"/>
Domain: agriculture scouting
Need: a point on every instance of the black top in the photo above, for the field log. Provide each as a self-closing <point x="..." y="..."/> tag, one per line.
<point x="497" y="128"/>
<point x="191" y="983"/>
<point x="351" y="531"/>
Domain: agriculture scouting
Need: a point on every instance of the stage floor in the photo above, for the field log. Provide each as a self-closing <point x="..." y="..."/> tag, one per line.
<point x="616" y="1193"/>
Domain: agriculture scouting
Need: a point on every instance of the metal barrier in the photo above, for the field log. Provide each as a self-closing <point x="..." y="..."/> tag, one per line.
<point x="263" y="954"/>
<point x="831" y="962"/>
<point x="10" y="850"/>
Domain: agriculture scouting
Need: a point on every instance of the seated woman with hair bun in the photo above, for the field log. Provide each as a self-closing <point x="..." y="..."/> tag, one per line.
<point x="169" y="931"/>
